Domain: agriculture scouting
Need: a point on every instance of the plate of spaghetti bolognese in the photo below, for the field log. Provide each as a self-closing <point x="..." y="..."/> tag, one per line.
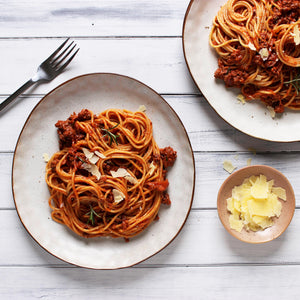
<point x="103" y="172"/>
<point x="244" y="57"/>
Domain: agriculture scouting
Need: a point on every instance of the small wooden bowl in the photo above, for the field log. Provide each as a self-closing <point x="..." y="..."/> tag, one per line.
<point x="280" y="224"/>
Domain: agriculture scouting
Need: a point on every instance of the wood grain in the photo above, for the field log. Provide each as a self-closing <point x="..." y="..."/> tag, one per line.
<point x="202" y="242"/>
<point x="92" y="18"/>
<point x="158" y="62"/>
<point x="209" y="282"/>
<point x="140" y="39"/>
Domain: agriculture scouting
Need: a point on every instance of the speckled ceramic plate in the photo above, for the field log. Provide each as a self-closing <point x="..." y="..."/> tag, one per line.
<point x="98" y="92"/>
<point x="252" y="118"/>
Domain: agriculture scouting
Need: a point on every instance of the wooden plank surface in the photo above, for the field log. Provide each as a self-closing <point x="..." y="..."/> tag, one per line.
<point x="53" y="18"/>
<point x="202" y="242"/>
<point x="158" y="62"/>
<point x="140" y="39"/>
<point x="210" y="283"/>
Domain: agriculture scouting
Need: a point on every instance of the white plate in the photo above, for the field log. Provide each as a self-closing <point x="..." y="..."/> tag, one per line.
<point x="252" y="118"/>
<point x="98" y="92"/>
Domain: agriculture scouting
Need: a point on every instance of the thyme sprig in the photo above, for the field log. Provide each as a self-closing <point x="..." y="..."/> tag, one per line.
<point x="92" y="215"/>
<point x="112" y="137"/>
<point x="295" y="82"/>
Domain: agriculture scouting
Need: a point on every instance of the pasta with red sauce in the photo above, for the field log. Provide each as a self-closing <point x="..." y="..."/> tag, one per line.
<point x="258" y="47"/>
<point x="109" y="176"/>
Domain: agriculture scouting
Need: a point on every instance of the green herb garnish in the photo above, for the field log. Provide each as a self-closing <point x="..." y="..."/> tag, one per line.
<point x="112" y="137"/>
<point x="295" y="83"/>
<point x="80" y="159"/>
<point x="92" y="215"/>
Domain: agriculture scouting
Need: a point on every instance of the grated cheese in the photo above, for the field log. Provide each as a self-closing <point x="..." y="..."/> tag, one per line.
<point x="121" y="172"/>
<point x="142" y="108"/>
<point x="271" y="111"/>
<point x="296" y="35"/>
<point x="118" y="196"/>
<point x="251" y="46"/>
<point x="253" y="204"/>
<point x="264" y="53"/>
<point x="99" y="154"/>
<point x="249" y="161"/>
<point x="227" y="166"/>
<point x="241" y="98"/>
<point x="94" y="159"/>
<point x="280" y="192"/>
<point x="46" y="157"/>
<point x="90" y="156"/>
<point x="258" y="77"/>
<point x="151" y="168"/>
<point x="93" y="169"/>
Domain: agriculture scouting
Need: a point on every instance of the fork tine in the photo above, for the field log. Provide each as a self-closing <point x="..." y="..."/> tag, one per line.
<point x="56" y="65"/>
<point x="62" y="53"/>
<point x="68" y="61"/>
<point x="57" y="50"/>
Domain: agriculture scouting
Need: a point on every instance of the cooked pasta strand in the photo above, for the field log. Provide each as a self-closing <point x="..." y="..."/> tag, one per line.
<point x="84" y="194"/>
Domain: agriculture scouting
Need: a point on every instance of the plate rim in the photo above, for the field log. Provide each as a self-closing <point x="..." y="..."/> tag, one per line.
<point x="189" y="146"/>
<point x="203" y="95"/>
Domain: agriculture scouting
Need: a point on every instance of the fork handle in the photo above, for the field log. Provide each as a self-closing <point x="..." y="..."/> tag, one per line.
<point x="18" y="92"/>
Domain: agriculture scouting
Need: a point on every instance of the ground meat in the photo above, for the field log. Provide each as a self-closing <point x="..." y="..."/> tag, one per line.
<point x="156" y="158"/>
<point x="68" y="132"/>
<point x="285" y="12"/>
<point x="168" y="156"/>
<point x="108" y="166"/>
<point x="233" y="76"/>
<point x="234" y="58"/>
<point x="274" y="101"/>
<point x="84" y="115"/>
<point x="159" y="186"/>
<point x="166" y="199"/>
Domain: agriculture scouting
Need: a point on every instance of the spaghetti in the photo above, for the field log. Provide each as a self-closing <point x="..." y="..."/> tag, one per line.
<point x="109" y="176"/>
<point x="258" y="45"/>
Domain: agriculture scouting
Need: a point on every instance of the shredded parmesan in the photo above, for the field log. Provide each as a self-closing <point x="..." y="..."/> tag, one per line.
<point x="121" y="172"/>
<point x="90" y="156"/>
<point x="46" y="157"/>
<point x="142" y="108"/>
<point x="241" y="98"/>
<point x="151" y="168"/>
<point x="94" y="159"/>
<point x="264" y="53"/>
<point x="228" y="166"/>
<point x="251" y="46"/>
<point x="131" y="179"/>
<point x="258" y="77"/>
<point x="296" y="35"/>
<point x="99" y="154"/>
<point x="93" y="169"/>
<point x="118" y="196"/>
<point x="280" y="192"/>
<point x="271" y="111"/>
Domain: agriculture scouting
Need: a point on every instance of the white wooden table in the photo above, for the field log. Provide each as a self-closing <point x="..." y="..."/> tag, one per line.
<point x="141" y="39"/>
